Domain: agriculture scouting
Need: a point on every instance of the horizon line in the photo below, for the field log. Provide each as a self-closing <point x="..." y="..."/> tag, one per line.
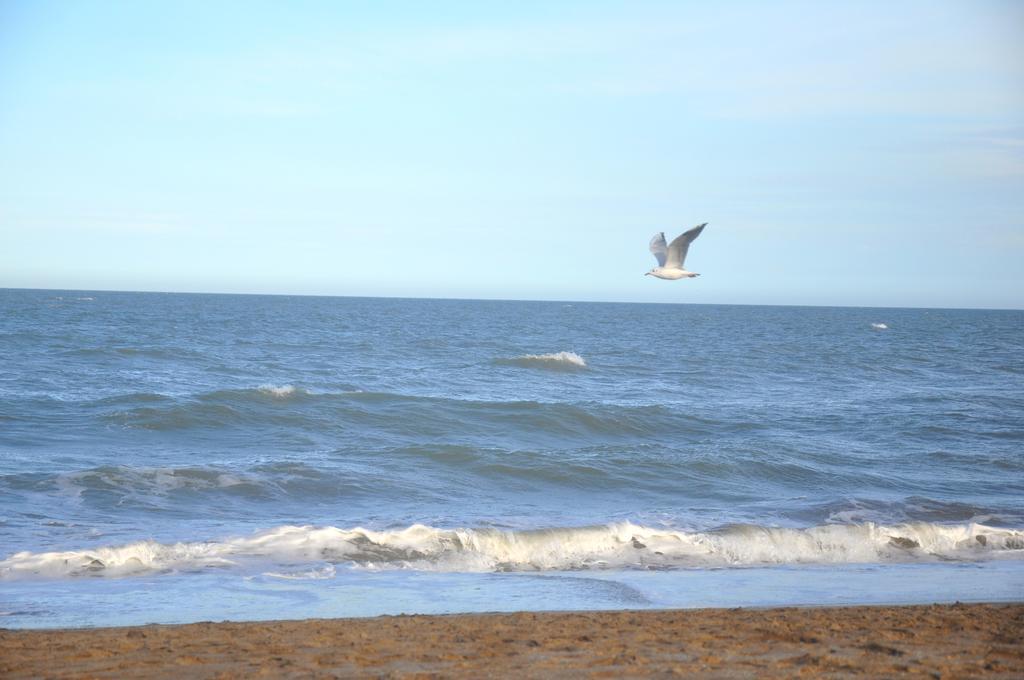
<point x="472" y="299"/>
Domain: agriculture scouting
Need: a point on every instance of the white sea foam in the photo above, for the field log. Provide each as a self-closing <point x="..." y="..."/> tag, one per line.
<point x="314" y="574"/>
<point x="614" y="546"/>
<point x="879" y="326"/>
<point x="556" y="360"/>
<point x="279" y="391"/>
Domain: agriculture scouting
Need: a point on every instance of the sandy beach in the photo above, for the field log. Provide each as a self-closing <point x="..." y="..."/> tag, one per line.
<point x="960" y="640"/>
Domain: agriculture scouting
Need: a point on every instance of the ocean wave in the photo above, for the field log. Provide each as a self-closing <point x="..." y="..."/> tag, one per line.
<point x="203" y="489"/>
<point x="218" y="408"/>
<point x="915" y="508"/>
<point x="149" y="481"/>
<point x="280" y="391"/>
<point x="400" y="414"/>
<point x="115" y="486"/>
<point x="305" y="550"/>
<point x="257" y="394"/>
<point x="557" y="361"/>
<point x="314" y="574"/>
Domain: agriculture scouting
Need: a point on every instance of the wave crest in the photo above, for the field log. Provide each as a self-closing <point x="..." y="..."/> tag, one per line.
<point x="279" y="391"/>
<point x="556" y="361"/>
<point x="614" y="546"/>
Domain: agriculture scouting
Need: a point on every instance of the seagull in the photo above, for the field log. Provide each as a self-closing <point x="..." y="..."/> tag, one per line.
<point x="671" y="257"/>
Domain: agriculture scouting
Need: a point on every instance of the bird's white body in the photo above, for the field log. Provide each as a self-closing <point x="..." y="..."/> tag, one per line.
<point x="671" y="274"/>
<point x="670" y="257"/>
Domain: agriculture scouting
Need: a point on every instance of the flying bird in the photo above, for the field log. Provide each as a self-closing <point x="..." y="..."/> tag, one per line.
<point x="671" y="257"/>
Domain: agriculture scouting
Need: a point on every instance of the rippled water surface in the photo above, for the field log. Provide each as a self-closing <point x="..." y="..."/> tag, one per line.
<point x="442" y="455"/>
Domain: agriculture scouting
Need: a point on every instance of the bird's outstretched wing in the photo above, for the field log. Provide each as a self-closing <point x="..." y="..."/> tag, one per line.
<point x="677" y="249"/>
<point x="658" y="248"/>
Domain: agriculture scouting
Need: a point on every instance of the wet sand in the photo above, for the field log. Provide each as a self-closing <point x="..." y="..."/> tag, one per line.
<point x="974" y="640"/>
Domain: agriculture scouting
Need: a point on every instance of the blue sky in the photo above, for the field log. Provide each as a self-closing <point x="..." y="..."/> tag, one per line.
<point x="848" y="154"/>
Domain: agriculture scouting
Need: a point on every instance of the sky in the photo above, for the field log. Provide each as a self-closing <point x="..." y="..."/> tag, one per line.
<point x="863" y="153"/>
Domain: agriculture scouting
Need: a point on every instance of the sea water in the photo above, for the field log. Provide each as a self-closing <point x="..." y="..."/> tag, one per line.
<point x="177" y="457"/>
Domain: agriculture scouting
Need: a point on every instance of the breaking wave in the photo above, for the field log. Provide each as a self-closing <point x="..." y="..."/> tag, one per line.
<point x="280" y="391"/>
<point x="557" y="361"/>
<point x="305" y="550"/>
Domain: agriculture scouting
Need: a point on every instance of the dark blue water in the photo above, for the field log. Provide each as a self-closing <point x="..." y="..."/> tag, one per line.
<point x="384" y="451"/>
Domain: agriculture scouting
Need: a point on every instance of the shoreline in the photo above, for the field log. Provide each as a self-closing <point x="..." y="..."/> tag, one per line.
<point x="874" y="640"/>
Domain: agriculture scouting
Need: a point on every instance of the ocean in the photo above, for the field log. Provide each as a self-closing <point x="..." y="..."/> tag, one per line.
<point x="180" y="457"/>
